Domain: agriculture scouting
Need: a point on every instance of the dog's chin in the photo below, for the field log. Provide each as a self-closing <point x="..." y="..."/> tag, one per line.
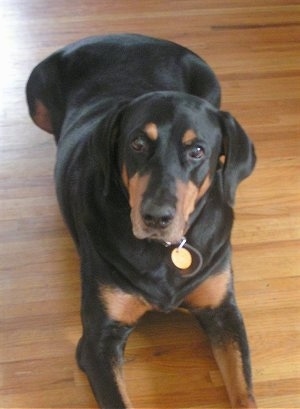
<point x="170" y="237"/>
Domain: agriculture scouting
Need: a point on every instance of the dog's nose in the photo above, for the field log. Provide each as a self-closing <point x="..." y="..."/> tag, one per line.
<point x="157" y="216"/>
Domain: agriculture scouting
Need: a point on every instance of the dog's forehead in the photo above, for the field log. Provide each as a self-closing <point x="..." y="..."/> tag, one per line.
<point x="178" y="114"/>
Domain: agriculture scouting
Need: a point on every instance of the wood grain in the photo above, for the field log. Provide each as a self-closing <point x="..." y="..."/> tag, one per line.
<point x="254" y="49"/>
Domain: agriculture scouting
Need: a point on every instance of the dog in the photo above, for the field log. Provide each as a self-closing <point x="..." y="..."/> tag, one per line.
<point x="146" y="174"/>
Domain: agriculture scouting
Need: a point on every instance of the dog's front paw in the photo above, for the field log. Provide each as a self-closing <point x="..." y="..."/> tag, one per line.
<point x="248" y="403"/>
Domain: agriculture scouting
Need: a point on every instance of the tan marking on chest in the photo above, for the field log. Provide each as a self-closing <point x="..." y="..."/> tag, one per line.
<point x="211" y="292"/>
<point x="123" y="307"/>
<point x="151" y="131"/>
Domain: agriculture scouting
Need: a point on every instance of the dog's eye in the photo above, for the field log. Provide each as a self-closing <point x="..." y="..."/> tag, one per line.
<point x="195" y="152"/>
<point x="139" y="144"/>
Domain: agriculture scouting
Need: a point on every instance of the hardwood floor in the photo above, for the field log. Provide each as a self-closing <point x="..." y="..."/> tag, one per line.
<point x="254" y="47"/>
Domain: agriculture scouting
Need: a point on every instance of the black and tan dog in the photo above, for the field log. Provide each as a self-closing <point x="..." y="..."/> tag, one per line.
<point x="146" y="174"/>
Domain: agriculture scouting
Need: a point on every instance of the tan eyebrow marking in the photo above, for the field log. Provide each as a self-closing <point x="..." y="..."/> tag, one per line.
<point x="189" y="137"/>
<point x="151" y="131"/>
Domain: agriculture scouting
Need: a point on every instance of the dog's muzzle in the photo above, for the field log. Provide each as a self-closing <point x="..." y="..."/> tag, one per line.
<point x="157" y="217"/>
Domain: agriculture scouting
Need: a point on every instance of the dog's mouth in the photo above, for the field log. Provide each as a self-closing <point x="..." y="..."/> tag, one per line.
<point x="161" y="238"/>
<point x="164" y="216"/>
<point x="172" y="234"/>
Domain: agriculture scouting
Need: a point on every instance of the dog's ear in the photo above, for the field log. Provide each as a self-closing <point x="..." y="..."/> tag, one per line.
<point x="103" y="145"/>
<point x="44" y="95"/>
<point x="239" y="155"/>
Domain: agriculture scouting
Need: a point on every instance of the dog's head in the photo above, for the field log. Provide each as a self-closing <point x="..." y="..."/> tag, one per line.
<point x="169" y="151"/>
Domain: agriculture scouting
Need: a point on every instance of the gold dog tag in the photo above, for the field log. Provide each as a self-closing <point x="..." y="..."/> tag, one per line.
<point x="181" y="258"/>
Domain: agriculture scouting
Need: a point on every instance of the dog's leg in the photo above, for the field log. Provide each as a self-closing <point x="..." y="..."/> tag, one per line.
<point x="225" y="329"/>
<point x="108" y="319"/>
<point x="101" y="360"/>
